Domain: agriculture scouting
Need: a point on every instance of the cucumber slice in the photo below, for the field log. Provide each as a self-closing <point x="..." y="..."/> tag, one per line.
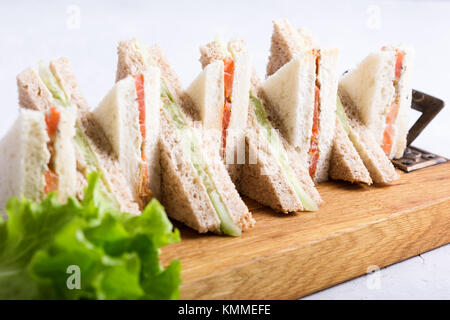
<point x="277" y="149"/>
<point x="191" y="147"/>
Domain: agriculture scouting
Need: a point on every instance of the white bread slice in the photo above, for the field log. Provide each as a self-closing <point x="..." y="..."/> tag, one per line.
<point x="64" y="158"/>
<point x="290" y="92"/>
<point x="346" y="164"/>
<point x="370" y="87"/>
<point x="239" y="110"/>
<point x="207" y="93"/>
<point x="23" y="158"/>
<point x="328" y="79"/>
<point x="118" y="114"/>
<point x="183" y="194"/>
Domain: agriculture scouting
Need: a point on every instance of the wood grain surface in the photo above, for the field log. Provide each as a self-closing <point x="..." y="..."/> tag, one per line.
<point x="290" y="256"/>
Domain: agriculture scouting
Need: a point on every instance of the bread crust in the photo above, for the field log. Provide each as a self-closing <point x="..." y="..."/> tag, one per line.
<point x="33" y="94"/>
<point x="346" y="164"/>
<point x="286" y="42"/>
<point x="23" y="158"/>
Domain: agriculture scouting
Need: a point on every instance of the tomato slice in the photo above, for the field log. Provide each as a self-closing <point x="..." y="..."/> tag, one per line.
<point x="228" y="69"/>
<point x="388" y="134"/>
<point x="228" y="76"/>
<point x="144" y="189"/>
<point x="399" y="64"/>
<point x="387" y="140"/>
<point x="51" y="181"/>
<point x="139" y="83"/>
<point x="314" y="147"/>
<point x="52" y="121"/>
<point x="52" y="118"/>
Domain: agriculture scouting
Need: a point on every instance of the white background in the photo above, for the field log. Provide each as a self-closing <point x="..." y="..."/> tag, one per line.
<point x="87" y="32"/>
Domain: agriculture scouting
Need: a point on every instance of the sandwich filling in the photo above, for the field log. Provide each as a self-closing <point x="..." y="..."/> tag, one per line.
<point x="144" y="188"/>
<point x="52" y="121"/>
<point x="228" y="90"/>
<point x="389" y="131"/>
<point x="191" y="147"/>
<point x="279" y="153"/>
<point x="314" y="146"/>
<point x="51" y="177"/>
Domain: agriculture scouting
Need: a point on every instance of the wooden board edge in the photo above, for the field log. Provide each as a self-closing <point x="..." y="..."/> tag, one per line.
<point x="319" y="265"/>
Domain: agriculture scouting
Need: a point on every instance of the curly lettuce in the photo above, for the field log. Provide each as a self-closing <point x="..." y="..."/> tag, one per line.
<point x="85" y="250"/>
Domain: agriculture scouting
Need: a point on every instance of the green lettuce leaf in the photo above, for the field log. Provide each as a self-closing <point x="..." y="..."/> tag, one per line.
<point x="85" y="250"/>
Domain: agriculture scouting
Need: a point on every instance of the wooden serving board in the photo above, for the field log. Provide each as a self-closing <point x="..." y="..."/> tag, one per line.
<point x="290" y="256"/>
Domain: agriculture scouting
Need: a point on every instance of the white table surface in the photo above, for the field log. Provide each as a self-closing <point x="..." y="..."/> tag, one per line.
<point x="87" y="32"/>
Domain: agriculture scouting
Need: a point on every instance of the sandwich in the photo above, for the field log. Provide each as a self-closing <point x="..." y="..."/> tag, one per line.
<point x="380" y="90"/>
<point x="271" y="173"/>
<point x="37" y="155"/>
<point x="227" y="111"/>
<point x="302" y="87"/>
<point x="353" y="154"/>
<point x="55" y="86"/>
<point x="195" y="186"/>
<point x="129" y="116"/>
<point x="369" y="151"/>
